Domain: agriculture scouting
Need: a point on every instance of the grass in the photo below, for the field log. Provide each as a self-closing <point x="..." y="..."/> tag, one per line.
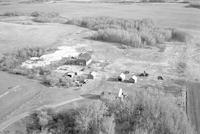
<point x="135" y="33"/>
<point x="142" y="113"/>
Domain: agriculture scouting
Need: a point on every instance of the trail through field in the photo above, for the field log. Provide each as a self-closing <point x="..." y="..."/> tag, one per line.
<point x="193" y="86"/>
<point x="14" y="89"/>
<point x="5" y="124"/>
<point x="193" y="104"/>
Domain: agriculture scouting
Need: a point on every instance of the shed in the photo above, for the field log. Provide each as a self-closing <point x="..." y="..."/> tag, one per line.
<point x="133" y="79"/>
<point x="122" y="77"/>
<point x="92" y="75"/>
<point x="85" y="59"/>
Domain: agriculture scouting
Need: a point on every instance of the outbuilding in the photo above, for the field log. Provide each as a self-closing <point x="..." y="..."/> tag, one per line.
<point x="122" y="77"/>
<point x="92" y="75"/>
<point x="133" y="79"/>
<point x="84" y="59"/>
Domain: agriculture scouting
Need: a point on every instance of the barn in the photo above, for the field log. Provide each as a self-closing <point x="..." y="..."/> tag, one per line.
<point x="83" y="59"/>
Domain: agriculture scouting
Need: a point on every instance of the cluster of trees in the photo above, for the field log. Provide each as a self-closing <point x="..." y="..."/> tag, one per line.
<point x="141" y="114"/>
<point x="134" y="33"/>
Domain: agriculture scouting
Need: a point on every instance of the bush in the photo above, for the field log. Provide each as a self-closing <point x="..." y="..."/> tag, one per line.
<point x="51" y="17"/>
<point x="194" y="4"/>
<point x="90" y="118"/>
<point x="178" y="35"/>
<point x="57" y="80"/>
<point x="150" y="114"/>
<point x="37" y="1"/>
<point x="14" y="59"/>
<point x="96" y="23"/>
<point x="44" y="14"/>
<point x="85" y="120"/>
<point x="14" y="13"/>
<point x="118" y="36"/>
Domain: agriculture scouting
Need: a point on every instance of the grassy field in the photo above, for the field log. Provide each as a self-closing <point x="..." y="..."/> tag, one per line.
<point x="180" y="18"/>
<point x="29" y="25"/>
<point x="194" y="4"/>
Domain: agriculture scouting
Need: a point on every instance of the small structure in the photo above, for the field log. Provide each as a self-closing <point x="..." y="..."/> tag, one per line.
<point x="122" y="77"/>
<point x="133" y="79"/>
<point x="126" y="72"/>
<point x="160" y="78"/>
<point x="144" y="74"/>
<point x="121" y="94"/>
<point x="69" y="69"/>
<point x="92" y="75"/>
<point x="70" y="74"/>
<point x="85" y="59"/>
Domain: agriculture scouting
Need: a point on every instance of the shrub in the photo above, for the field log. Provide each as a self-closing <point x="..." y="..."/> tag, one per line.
<point x="96" y="23"/>
<point x="57" y="80"/>
<point x="178" y="35"/>
<point x="84" y="120"/>
<point x="44" y="14"/>
<point x="14" y="13"/>
<point x="51" y="17"/>
<point x="89" y="119"/>
<point x="194" y="4"/>
<point x="36" y="1"/>
<point x="14" y="59"/>
<point x="150" y="114"/>
<point x="118" y="36"/>
<point x="38" y="120"/>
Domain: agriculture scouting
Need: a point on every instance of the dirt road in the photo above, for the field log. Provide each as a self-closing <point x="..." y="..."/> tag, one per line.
<point x="193" y="104"/>
<point x="5" y="124"/>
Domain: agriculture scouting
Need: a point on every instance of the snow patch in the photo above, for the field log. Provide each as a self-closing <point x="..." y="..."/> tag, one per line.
<point x="62" y="52"/>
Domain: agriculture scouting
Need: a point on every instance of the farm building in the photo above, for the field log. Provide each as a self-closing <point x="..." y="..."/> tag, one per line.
<point x="92" y="75"/>
<point x="86" y="58"/>
<point x="83" y="59"/>
<point x="122" y="77"/>
<point x="133" y="79"/>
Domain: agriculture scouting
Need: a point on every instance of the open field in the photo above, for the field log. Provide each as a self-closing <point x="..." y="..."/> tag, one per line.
<point x="177" y="62"/>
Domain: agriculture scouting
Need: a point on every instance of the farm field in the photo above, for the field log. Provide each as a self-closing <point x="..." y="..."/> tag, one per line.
<point x="178" y="62"/>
